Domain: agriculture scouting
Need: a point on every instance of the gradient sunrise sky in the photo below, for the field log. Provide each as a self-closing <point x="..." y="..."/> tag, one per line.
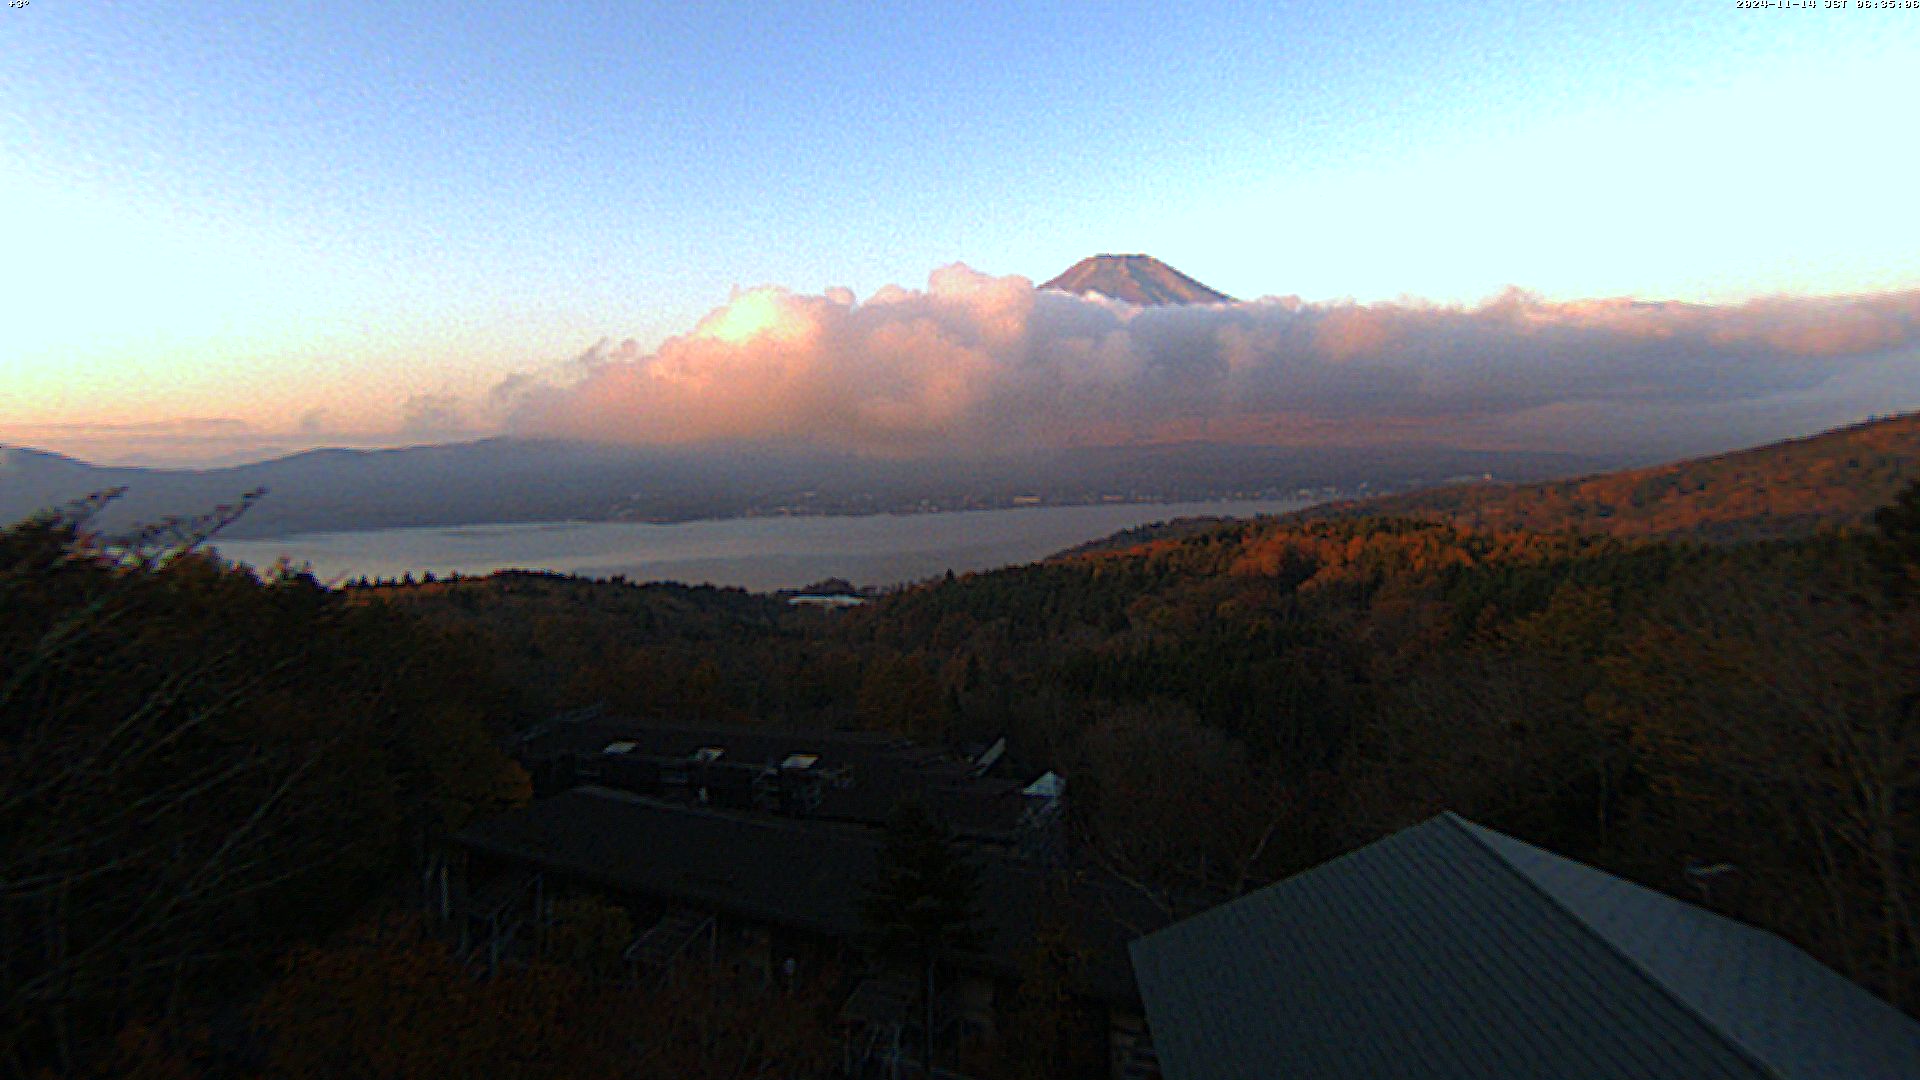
<point x="236" y="224"/>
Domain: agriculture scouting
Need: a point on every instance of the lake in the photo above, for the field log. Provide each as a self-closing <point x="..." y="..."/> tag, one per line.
<point x="761" y="553"/>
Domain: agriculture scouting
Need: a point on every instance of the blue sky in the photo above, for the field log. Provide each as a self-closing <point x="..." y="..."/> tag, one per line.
<point x="300" y="210"/>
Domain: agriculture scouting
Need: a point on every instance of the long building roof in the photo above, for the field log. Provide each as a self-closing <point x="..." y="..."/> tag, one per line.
<point x="873" y="771"/>
<point x="802" y="874"/>
<point x="1448" y="950"/>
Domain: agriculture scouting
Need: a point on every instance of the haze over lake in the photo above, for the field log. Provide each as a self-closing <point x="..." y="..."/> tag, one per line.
<point x="759" y="553"/>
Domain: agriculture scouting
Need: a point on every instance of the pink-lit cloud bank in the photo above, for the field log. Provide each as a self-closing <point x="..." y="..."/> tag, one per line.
<point x="980" y="363"/>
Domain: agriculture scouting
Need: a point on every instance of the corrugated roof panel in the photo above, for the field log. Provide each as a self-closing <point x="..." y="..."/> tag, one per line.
<point x="1779" y="1004"/>
<point x="1422" y="956"/>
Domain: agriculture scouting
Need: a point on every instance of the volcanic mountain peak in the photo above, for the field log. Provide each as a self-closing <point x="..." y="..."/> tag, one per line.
<point x="1137" y="279"/>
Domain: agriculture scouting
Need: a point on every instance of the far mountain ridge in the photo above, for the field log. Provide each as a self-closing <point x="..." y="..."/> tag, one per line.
<point x="1783" y="489"/>
<point x="506" y="480"/>
<point x="1136" y="279"/>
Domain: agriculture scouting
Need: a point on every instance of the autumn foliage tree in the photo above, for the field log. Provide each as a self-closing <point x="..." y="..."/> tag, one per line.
<point x="1148" y="773"/>
<point x="1773" y="716"/>
<point x="389" y="1002"/>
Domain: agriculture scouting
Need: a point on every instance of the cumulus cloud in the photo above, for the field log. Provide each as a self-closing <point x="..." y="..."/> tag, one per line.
<point x="975" y="362"/>
<point x="425" y="415"/>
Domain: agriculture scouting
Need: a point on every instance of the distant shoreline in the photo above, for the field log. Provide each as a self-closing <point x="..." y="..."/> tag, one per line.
<point x="762" y="553"/>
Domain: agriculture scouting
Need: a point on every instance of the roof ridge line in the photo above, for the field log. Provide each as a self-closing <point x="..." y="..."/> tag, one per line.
<point x="832" y="829"/>
<point x="852" y="834"/>
<point x="1740" y="1049"/>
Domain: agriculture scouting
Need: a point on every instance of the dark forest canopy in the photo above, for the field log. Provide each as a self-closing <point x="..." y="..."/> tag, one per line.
<point x="199" y="768"/>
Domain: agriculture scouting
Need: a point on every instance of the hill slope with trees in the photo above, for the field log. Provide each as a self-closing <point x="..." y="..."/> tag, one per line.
<point x="1647" y="706"/>
<point x="1779" y="490"/>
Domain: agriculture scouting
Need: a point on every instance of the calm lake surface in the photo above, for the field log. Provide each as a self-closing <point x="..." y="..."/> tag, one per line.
<point x="754" y="553"/>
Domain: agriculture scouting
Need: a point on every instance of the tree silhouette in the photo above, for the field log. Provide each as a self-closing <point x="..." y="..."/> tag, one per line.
<point x="198" y="767"/>
<point x="924" y="899"/>
<point x="1898" y="540"/>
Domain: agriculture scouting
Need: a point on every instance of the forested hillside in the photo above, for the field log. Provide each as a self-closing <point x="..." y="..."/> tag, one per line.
<point x="1647" y="706"/>
<point x="557" y="642"/>
<point x="1780" y="490"/>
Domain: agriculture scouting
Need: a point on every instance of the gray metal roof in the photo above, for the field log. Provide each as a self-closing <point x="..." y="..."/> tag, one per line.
<point x="1448" y="950"/>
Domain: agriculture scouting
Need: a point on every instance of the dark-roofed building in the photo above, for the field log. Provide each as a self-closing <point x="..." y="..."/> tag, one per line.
<point x="1448" y="950"/>
<point x="796" y="874"/>
<point x="846" y="776"/>
<point x="757" y="888"/>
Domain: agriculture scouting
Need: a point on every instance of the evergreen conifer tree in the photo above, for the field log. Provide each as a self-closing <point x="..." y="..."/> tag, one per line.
<point x="924" y="899"/>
